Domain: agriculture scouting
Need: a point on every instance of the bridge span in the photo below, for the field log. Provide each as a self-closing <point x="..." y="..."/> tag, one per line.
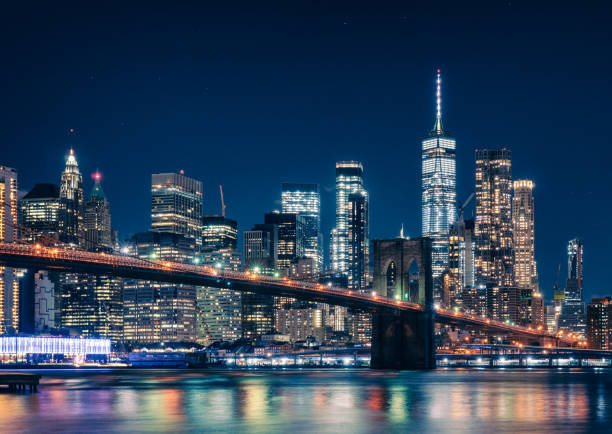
<point x="398" y="325"/>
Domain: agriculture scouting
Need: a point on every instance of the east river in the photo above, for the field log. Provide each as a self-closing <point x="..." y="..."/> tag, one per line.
<point x="353" y="401"/>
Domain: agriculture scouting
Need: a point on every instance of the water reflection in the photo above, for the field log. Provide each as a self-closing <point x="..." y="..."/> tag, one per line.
<point x="330" y="401"/>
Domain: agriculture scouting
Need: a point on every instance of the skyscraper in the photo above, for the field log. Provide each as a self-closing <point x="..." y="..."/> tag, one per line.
<point x="160" y="312"/>
<point x="572" y="317"/>
<point x="219" y="315"/>
<point x="461" y="264"/>
<point x="525" y="273"/>
<point x="304" y="200"/>
<point x="438" y="174"/>
<point x="176" y="205"/>
<point x="493" y="260"/>
<point x="97" y="218"/>
<point x="71" y="194"/>
<point x="599" y="323"/>
<point x="290" y="228"/>
<point x="42" y="212"/>
<point x="260" y="253"/>
<point x="219" y="233"/>
<point x="574" y="261"/>
<point x="9" y="284"/>
<point x="359" y="248"/>
<point x="349" y="179"/>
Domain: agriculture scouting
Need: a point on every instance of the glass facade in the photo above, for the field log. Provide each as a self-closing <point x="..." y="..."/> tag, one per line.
<point x="438" y="177"/>
<point x="349" y="179"/>
<point x="219" y="233"/>
<point x="219" y="309"/>
<point x="176" y="205"/>
<point x="42" y="212"/>
<point x="304" y="200"/>
<point x="97" y="219"/>
<point x="359" y="248"/>
<point x="160" y="312"/>
<point x="572" y="317"/>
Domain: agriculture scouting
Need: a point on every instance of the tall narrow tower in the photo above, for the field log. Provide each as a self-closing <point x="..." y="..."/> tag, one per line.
<point x="438" y="190"/>
<point x="494" y="259"/>
<point x="9" y="285"/>
<point x="71" y="193"/>
<point x="349" y="179"/>
<point x="97" y="218"/>
<point x="525" y="274"/>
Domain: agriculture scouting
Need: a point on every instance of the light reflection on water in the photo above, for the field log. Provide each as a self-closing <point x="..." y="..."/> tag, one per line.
<point x="329" y="400"/>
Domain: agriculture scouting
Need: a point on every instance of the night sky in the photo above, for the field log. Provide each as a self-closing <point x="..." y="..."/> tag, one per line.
<point x="251" y="97"/>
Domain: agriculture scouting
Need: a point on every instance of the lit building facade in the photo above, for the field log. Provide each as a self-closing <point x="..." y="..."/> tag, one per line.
<point x="599" y="324"/>
<point x="349" y="179"/>
<point x="9" y="283"/>
<point x="219" y="316"/>
<point x="176" y="205"/>
<point x="572" y="317"/>
<point x="304" y="200"/>
<point x="289" y="230"/>
<point x="71" y="194"/>
<point x="460" y="262"/>
<point x="525" y="273"/>
<point x="93" y="305"/>
<point x="219" y="233"/>
<point x="358" y="246"/>
<point x="493" y="253"/>
<point x="97" y="219"/>
<point x="160" y="312"/>
<point x="438" y="176"/>
<point x="260" y="253"/>
<point x="42" y="212"/>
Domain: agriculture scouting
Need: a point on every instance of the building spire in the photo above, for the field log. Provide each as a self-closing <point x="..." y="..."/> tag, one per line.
<point x="437" y="130"/>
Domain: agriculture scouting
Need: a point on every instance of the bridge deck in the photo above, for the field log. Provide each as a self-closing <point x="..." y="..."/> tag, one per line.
<point x="77" y="261"/>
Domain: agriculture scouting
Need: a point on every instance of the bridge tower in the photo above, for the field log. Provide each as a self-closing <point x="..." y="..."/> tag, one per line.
<point x="403" y="271"/>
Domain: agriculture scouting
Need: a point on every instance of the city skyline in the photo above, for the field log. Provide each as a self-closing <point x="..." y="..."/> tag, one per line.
<point x="118" y="150"/>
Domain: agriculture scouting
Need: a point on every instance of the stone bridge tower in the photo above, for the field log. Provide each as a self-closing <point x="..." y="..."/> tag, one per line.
<point x="403" y="271"/>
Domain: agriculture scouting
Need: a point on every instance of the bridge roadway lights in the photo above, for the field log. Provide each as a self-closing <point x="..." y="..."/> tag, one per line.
<point x="403" y="340"/>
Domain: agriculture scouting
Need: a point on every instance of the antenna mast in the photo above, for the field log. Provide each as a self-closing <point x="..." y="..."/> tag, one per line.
<point x="222" y="201"/>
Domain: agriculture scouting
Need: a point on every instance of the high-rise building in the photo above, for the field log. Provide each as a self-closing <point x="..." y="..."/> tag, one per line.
<point x="93" y="305"/>
<point x="525" y="273"/>
<point x="160" y="312"/>
<point x="219" y="315"/>
<point x="260" y="253"/>
<point x="260" y="248"/>
<point x="304" y="200"/>
<point x="289" y="230"/>
<point x="42" y="213"/>
<point x="574" y="261"/>
<point x="572" y="317"/>
<point x="461" y="262"/>
<point x="9" y="283"/>
<point x="219" y="233"/>
<point x="493" y="254"/>
<point x="599" y="324"/>
<point x="349" y="179"/>
<point x="358" y="246"/>
<point x="97" y="219"/>
<point x="438" y="174"/>
<point x="176" y="205"/>
<point x="71" y="195"/>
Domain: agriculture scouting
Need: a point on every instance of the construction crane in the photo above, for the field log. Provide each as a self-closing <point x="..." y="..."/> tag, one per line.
<point x="462" y="207"/>
<point x="222" y="201"/>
